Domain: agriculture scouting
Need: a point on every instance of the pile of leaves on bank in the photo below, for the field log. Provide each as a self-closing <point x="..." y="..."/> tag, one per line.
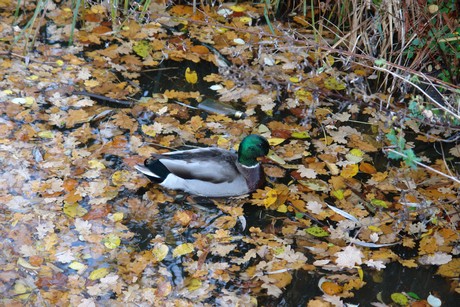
<point x="347" y="192"/>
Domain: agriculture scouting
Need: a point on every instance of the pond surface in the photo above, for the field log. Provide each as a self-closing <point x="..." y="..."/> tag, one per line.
<point x="79" y="226"/>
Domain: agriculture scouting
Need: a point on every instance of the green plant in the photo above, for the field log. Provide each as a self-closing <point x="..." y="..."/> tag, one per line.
<point x="406" y="154"/>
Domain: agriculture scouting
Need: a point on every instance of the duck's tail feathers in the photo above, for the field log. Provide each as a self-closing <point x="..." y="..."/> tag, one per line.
<point x="150" y="174"/>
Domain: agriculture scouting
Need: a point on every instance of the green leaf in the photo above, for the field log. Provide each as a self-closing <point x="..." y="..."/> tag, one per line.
<point x="317" y="231"/>
<point x="142" y="48"/>
<point x="380" y="62"/>
<point x="399" y="299"/>
<point x="379" y="202"/>
<point x="413" y="295"/>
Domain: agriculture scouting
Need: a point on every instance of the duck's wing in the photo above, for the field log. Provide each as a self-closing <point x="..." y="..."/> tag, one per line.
<point x="208" y="164"/>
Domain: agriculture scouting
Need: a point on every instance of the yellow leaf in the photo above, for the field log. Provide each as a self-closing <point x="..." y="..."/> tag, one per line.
<point x="98" y="274"/>
<point x="120" y="177"/>
<point x="357" y="152"/>
<point x="338" y="194"/>
<point x="160" y="251"/>
<point x="149" y="130"/>
<point x="118" y="216"/>
<point x="330" y="60"/>
<point x="247" y="20"/>
<point x="74" y="210"/>
<point x="271" y="197"/>
<point x="294" y="79"/>
<point x="275" y="141"/>
<point x="349" y="171"/>
<point x="450" y="269"/>
<point x="282" y="208"/>
<point x="300" y="135"/>
<point x="92" y="83"/>
<point x="98" y="9"/>
<point x="194" y="284"/>
<point x="399" y="299"/>
<point x="238" y="8"/>
<point x="47" y="134"/>
<point x="27" y="101"/>
<point x="360" y="272"/>
<point x="275" y="158"/>
<point x="77" y="266"/>
<point x="222" y="141"/>
<point x="191" y="76"/>
<point x="95" y="164"/>
<point x="183" y="249"/>
<point x="374" y="228"/>
<point x="112" y="241"/>
<point x="25" y="264"/>
<point x="22" y="291"/>
<point x="333" y="83"/>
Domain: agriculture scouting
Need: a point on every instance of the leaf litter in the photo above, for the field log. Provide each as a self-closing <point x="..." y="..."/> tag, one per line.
<point x="333" y="205"/>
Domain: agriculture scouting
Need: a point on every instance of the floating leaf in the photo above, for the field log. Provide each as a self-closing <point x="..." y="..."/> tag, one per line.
<point x="26" y="264"/>
<point x="112" y="241"/>
<point x="433" y="301"/>
<point x="379" y="202"/>
<point x="96" y="164"/>
<point x="300" y="135"/>
<point x="142" y="48"/>
<point x="120" y="177"/>
<point x="367" y="168"/>
<point x="333" y="83"/>
<point x="399" y="299"/>
<point x="271" y="198"/>
<point x="274" y="157"/>
<point x="349" y="171"/>
<point x="46" y="134"/>
<point x="191" y="76"/>
<point x="374" y="228"/>
<point x="117" y="217"/>
<point x="282" y="208"/>
<point x="413" y="295"/>
<point x="74" y="210"/>
<point x="160" y="251"/>
<point x="315" y="184"/>
<point x="317" y="231"/>
<point x="275" y="141"/>
<point x="339" y="194"/>
<point x="238" y="8"/>
<point x="183" y="249"/>
<point x="355" y="155"/>
<point x="98" y="274"/>
<point x="194" y="284"/>
<point x="331" y="288"/>
<point x="22" y="291"/>
<point x="77" y="266"/>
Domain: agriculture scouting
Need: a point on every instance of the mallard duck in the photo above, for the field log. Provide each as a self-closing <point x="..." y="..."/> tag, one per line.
<point x="210" y="172"/>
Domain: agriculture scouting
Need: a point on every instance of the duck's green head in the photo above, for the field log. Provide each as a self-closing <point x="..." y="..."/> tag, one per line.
<point x="252" y="147"/>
